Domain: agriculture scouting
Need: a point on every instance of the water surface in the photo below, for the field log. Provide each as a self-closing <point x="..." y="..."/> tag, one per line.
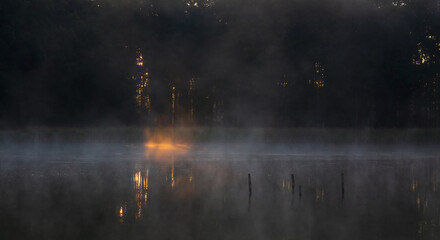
<point x="115" y="192"/>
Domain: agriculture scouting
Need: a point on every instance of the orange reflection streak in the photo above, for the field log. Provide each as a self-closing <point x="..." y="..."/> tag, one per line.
<point x="167" y="147"/>
<point x="173" y="183"/>
<point x="141" y="187"/>
<point x="122" y="212"/>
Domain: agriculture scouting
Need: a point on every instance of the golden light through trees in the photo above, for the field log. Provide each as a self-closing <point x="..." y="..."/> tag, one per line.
<point x="318" y="76"/>
<point x="421" y="57"/>
<point x="185" y="94"/>
<point x="142" y="79"/>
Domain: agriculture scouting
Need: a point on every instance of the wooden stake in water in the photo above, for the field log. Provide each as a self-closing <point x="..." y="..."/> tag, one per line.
<point x="342" y="185"/>
<point x="293" y="183"/>
<point x="250" y="183"/>
<point x="300" y="193"/>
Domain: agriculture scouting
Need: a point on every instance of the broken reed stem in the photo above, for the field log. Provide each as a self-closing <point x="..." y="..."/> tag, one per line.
<point x="250" y="183"/>
<point x="293" y="182"/>
<point x="342" y="185"/>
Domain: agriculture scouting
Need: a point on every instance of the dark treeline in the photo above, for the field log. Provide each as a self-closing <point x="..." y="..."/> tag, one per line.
<point x="281" y="63"/>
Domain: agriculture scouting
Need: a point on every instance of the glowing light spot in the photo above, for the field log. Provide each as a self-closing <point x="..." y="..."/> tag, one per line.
<point x="122" y="212"/>
<point x="162" y="147"/>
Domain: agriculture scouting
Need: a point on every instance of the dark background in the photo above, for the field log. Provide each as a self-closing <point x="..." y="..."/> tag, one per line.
<point x="277" y="63"/>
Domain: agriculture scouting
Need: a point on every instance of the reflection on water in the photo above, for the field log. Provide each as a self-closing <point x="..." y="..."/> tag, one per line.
<point x="173" y="183"/>
<point x="319" y="193"/>
<point x="122" y="212"/>
<point x="210" y="200"/>
<point x="285" y="185"/>
<point x="141" y="191"/>
<point x="424" y="192"/>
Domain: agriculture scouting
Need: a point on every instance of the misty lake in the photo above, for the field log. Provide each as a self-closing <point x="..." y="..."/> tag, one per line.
<point x="220" y="119"/>
<point x="114" y="191"/>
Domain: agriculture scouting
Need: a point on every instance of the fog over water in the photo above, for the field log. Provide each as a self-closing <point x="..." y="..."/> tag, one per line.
<point x="66" y="193"/>
<point x="220" y="119"/>
<point x="167" y="188"/>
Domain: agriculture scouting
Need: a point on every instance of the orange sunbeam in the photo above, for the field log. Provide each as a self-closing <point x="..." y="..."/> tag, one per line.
<point x="160" y="146"/>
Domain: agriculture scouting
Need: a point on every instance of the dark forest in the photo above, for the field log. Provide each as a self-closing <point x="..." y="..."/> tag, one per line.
<point x="278" y="63"/>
